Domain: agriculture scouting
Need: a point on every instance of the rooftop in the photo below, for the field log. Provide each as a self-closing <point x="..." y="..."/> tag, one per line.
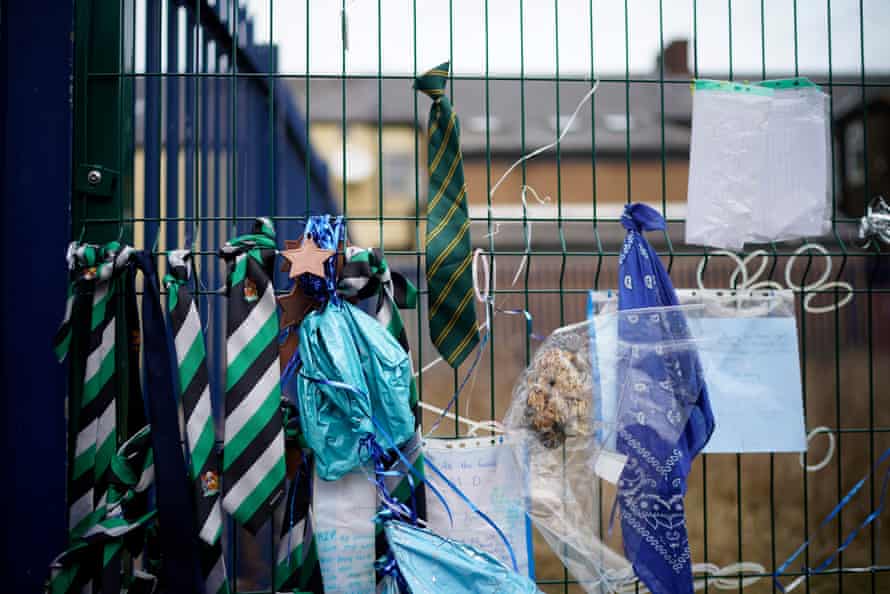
<point x="507" y="116"/>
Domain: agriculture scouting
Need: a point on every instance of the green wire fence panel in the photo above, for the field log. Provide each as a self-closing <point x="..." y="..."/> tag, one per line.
<point x="194" y="116"/>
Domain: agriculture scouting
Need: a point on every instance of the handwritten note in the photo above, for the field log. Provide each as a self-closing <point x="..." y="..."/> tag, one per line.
<point x="344" y="531"/>
<point x="754" y="384"/>
<point x="752" y="370"/>
<point x="488" y="475"/>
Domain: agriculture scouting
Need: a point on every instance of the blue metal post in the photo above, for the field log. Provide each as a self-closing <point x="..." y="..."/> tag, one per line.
<point x="152" y="148"/>
<point x="171" y="143"/>
<point x="35" y="176"/>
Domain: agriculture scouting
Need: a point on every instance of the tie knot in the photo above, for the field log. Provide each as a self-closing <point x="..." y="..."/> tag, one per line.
<point x="264" y="226"/>
<point x="89" y="261"/>
<point x="179" y="265"/>
<point x="262" y="237"/>
<point x="432" y="83"/>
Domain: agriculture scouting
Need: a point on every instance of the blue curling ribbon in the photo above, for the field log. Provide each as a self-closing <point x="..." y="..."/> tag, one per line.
<point x="454" y="488"/>
<point x="290" y="369"/>
<point x="386" y="565"/>
<point x="476" y="358"/>
<point x="390" y="441"/>
<point x="293" y="498"/>
<point x="392" y="445"/>
<point x="369" y="446"/>
<point x="478" y="511"/>
<point x="834" y="512"/>
<point x="528" y="319"/>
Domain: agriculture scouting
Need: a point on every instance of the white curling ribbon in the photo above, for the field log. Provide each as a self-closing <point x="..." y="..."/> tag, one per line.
<point x="828" y="455"/>
<point x="565" y="130"/>
<point x="474" y="426"/>
<point x="485" y="297"/>
<point x="718" y="578"/>
<point x="545" y="148"/>
<point x="810" y="290"/>
<point x="529" y="225"/>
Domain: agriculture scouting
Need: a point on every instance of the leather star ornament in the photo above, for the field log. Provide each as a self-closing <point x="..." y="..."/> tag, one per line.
<point x="308" y="257"/>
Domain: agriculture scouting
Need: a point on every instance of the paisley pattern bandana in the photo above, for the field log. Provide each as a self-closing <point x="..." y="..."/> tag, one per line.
<point x="653" y="483"/>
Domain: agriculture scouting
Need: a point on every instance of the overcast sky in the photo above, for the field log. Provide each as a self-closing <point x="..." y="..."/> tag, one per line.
<point x="397" y="53"/>
<point x="540" y="20"/>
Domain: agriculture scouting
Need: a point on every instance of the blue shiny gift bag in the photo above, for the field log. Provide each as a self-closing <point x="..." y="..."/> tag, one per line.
<point x="431" y="564"/>
<point x="353" y="370"/>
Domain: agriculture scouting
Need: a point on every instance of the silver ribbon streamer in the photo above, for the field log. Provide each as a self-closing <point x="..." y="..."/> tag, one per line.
<point x="876" y="222"/>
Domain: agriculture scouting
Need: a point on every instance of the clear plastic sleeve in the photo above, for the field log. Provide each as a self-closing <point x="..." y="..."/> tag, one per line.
<point x="797" y="182"/>
<point x="759" y="163"/>
<point x="590" y="381"/>
<point x="726" y="163"/>
<point x="560" y="430"/>
<point x="746" y="342"/>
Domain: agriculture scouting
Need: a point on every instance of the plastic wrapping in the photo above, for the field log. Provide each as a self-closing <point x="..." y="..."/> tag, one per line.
<point x="561" y="394"/>
<point x="560" y="430"/>
<point x="343" y="346"/>
<point x="629" y="373"/>
<point x="432" y="564"/>
<point x="586" y="384"/>
<point x="759" y="163"/>
<point x="797" y="189"/>
<point x="748" y="350"/>
<point x="726" y="163"/>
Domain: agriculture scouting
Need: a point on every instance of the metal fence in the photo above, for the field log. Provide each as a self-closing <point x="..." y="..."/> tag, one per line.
<point x="186" y="127"/>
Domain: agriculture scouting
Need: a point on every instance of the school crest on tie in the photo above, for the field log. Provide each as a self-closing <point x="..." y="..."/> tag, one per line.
<point x="250" y="292"/>
<point x="209" y="483"/>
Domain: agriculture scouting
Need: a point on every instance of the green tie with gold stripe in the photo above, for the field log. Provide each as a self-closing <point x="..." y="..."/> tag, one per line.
<point x="449" y="275"/>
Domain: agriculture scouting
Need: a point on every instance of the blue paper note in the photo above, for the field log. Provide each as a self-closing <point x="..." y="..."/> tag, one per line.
<point x="754" y="384"/>
<point x="752" y="370"/>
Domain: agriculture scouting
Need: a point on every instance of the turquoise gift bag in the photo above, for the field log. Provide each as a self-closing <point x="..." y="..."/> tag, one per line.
<point x="353" y="370"/>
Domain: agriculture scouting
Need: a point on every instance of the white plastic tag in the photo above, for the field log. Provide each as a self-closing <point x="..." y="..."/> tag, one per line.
<point x="609" y="465"/>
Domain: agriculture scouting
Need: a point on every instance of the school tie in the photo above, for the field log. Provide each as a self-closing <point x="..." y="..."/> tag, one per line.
<point x="366" y="275"/>
<point x="93" y="399"/>
<point x="96" y="508"/>
<point x="253" y="447"/>
<point x="297" y="568"/>
<point x="452" y="313"/>
<point x="200" y="437"/>
<point x="180" y="571"/>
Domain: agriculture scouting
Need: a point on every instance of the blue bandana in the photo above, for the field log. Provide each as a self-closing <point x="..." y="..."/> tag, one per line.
<point x="653" y="483"/>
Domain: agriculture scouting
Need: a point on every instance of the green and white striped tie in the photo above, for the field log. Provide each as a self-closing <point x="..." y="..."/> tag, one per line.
<point x="297" y="568"/>
<point x="253" y="448"/>
<point x="200" y="437"/>
<point x="449" y="277"/>
<point x="92" y="423"/>
<point x="132" y="473"/>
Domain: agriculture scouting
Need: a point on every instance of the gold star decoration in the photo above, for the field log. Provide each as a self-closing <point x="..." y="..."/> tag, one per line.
<point x="306" y="256"/>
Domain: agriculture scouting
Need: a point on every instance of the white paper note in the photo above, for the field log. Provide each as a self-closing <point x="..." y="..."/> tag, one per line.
<point x="344" y="530"/>
<point x="488" y="475"/>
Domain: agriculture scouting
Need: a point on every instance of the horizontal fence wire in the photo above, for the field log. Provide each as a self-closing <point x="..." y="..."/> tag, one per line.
<point x="216" y="132"/>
